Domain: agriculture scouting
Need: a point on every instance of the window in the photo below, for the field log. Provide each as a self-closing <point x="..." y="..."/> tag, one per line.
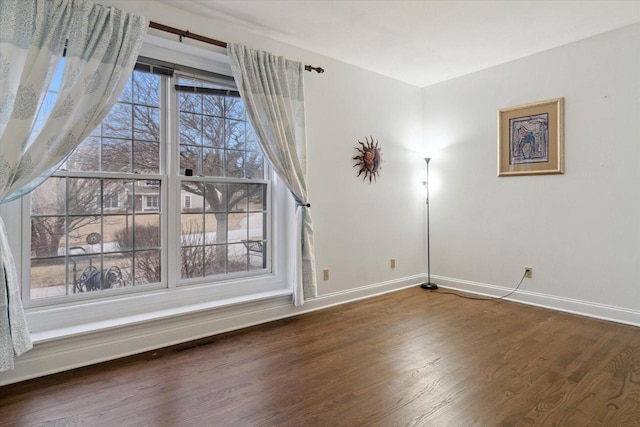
<point x="100" y="222"/>
<point x="218" y="146"/>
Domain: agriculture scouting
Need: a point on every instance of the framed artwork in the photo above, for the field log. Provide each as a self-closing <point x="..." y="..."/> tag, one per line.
<point x="531" y="139"/>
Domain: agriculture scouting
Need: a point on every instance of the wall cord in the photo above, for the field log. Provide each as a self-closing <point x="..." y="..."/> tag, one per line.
<point x="487" y="298"/>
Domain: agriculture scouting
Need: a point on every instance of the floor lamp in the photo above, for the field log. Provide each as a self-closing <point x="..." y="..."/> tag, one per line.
<point x="428" y="285"/>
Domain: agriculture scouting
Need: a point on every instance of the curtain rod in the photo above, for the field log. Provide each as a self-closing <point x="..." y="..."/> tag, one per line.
<point x="208" y="40"/>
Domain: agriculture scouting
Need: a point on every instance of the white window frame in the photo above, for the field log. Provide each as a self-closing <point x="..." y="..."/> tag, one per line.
<point x="170" y="297"/>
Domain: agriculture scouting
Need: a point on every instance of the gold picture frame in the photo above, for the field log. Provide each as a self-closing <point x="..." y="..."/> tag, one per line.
<point x="531" y="139"/>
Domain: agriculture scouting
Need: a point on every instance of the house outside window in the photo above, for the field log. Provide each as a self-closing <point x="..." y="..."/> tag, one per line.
<point x="187" y="201"/>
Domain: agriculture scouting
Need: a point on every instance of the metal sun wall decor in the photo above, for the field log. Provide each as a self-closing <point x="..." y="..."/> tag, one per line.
<point x="368" y="159"/>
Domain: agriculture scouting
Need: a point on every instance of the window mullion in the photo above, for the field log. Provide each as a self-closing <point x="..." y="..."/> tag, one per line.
<point x="171" y="206"/>
<point x="24" y="257"/>
<point x="66" y="234"/>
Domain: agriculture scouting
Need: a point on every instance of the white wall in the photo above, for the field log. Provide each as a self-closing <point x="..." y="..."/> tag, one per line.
<point x="579" y="231"/>
<point x="358" y="226"/>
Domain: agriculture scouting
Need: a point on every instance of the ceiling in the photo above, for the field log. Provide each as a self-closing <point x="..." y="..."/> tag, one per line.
<point x="422" y="42"/>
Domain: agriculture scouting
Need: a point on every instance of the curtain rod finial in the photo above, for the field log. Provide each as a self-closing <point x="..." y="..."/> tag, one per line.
<point x="318" y="70"/>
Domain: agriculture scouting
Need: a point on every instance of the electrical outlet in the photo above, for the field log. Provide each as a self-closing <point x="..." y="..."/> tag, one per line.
<point x="325" y="274"/>
<point x="393" y="263"/>
<point x="528" y="272"/>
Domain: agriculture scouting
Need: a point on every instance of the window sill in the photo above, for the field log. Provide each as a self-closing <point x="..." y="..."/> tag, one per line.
<point x="136" y="319"/>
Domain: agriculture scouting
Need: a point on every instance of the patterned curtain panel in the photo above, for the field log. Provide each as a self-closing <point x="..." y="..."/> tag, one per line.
<point x="102" y="47"/>
<point x="272" y="90"/>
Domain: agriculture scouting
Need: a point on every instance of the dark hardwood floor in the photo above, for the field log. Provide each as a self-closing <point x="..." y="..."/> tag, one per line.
<point x="410" y="358"/>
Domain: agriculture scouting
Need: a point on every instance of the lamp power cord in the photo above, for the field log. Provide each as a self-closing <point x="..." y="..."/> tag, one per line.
<point x="487" y="298"/>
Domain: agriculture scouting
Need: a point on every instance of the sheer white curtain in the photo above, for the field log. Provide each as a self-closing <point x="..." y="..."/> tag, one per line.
<point x="273" y="93"/>
<point x="102" y="47"/>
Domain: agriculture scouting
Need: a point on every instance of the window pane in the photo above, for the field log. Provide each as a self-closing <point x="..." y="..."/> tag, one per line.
<point x="191" y="230"/>
<point x="234" y="163"/>
<point x="234" y="134"/>
<point x="84" y="234"/>
<point x="116" y="271"/>
<point x="192" y="262"/>
<point x="216" y="197"/>
<point x="124" y="263"/>
<point x="215" y="228"/>
<point x="190" y="158"/>
<point x="147" y="196"/>
<point x="213" y="128"/>
<point x="215" y="260"/>
<point x="237" y="255"/>
<point x="146" y="157"/>
<point x="234" y="108"/>
<point x="84" y="196"/>
<point x="257" y="195"/>
<point x="254" y="165"/>
<point x="213" y="105"/>
<point x="115" y="229"/>
<point x="213" y="162"/>
<point x="84" y="273"/>
<point x="194" y="191"/>
<point x="49" y="198"/>
<point x="237" y="200"/>
<point x="146" y="89"/>
<point x="118" y="121"/>
<point x="190" y="102"/>
<point x="48" y="278"/>
<point x="258" y="256"/>
<point x="86" y="157"/>
<point x="146" y="123"/>
<point x="116" y="155"/>
<point x="237" y="227"/>
<point x="114" y="195"/>
<point x="147" y="267"/>
<point x="147" y="232"/>
<point x="190" y="129"/>
<point x="48" y="236"/>
<point x="119" y="228"/>
<point x="257" y="229"/>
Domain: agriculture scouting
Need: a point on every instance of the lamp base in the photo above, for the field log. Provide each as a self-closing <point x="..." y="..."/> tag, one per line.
<point x="429" y="286"/>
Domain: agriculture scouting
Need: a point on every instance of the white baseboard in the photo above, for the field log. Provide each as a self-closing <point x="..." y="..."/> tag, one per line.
<point x="569" y="305"/>
<point x="52" y="356"/>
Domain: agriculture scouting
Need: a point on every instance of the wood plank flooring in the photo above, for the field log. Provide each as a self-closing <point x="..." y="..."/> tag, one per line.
<point x="410" y="358"/>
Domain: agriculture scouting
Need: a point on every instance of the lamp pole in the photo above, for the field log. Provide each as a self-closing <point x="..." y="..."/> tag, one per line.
<point x="428" y="285"/>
